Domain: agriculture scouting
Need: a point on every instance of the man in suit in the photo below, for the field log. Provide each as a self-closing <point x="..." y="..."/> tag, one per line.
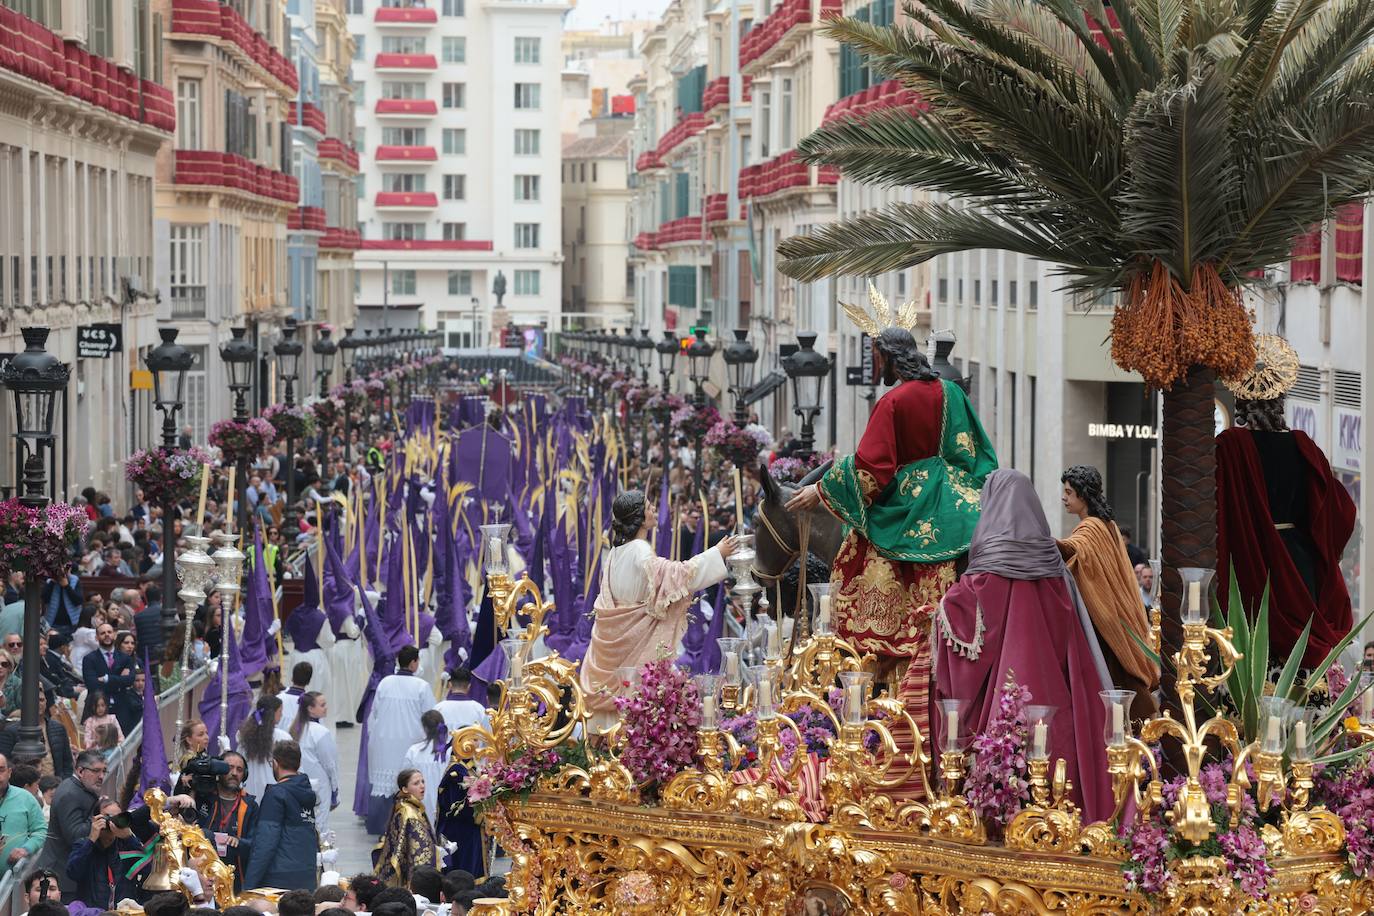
<point x="106" y="670"/>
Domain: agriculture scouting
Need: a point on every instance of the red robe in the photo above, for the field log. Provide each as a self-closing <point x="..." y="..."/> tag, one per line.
<point x="1248" y="540"/>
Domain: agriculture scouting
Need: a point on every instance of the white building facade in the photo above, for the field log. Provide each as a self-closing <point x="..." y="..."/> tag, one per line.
<point x="458" y="109"/>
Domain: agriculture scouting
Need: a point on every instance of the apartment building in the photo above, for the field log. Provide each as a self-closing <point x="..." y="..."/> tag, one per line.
<point x="225" y="186"/>
<point x="597" y="290"/>
<point x="83" y="113"/>
<point x="458" y="112"/>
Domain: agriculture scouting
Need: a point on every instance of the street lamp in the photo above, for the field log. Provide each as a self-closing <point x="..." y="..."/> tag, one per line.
<point x="325" y="349"/>
<point x="240" y="356"/>
<point x="666" y="349"/>
<point x="169" y="362"/>
<point x="807" y="369"/>
<point x="288" y="351"/>
<point x="644" y="353"/>
<point x="699" y="355"/>
<point x="740" y="357"/>
<point x="34" y="377"/>
<point x="348" y="347"/>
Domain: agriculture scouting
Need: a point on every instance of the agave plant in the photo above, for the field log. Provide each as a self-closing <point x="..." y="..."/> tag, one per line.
<point x="1160" y="151"/>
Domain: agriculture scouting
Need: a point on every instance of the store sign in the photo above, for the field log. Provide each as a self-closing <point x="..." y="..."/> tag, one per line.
<point x="1303" y="416"/>
<point x="98" y="341"/>
<point x="1347" y="452"/>
<point x="1121" y="431"/>
<point x="862" y="374"/>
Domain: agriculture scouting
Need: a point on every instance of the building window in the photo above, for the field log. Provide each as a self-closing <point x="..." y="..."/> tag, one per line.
<point x="188" y="114"/>
<point x="526" y="187"/>
<point x="455" y="187"/>
<point x="455" y="95"/>
<point x="785" y="129"/>
<point x="358" y="53"/>
<point x="527" y="283"/>
<point x="455" y="49"/>
<point x="100" y="28"/>
<point x="593" y="171"/>
<point x="460" y="283"/>
<point x="403" y="232"/>
<point x="455" y="232"/>
<point x="526" y="235"/>
<point x="402" y="282"/>
<point x="526" y="95"/>
<point x="455" y="141"/>
<point x="403" y="182"/>
<point x="394" y="89"/>
<point x="526" y="142"/>
<point x="403" y="44"/>
<point x="403" y="136"/>
<point x="455" y="8"/>
<point x="187" y="274"/>
<point x="527" y="50"/>
<point x="355" y="7"/>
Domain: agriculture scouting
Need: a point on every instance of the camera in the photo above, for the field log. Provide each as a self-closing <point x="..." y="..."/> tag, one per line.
<point x="203" y="771"/>
<point x="123" y="820"/>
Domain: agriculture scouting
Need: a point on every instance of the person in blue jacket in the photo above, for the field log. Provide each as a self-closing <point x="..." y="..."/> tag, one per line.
<point x="285" y="844"/>
<point x="97" y="864"/>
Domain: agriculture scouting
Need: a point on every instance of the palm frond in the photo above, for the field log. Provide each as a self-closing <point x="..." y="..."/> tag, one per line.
<point x="1130" y="51"/>
<point x="1039" y="26"/>
<point x="1162" y="22"/>
<point x="1260" y="62"/>
<point x="902" y="235"/>
<point x="1334" y="37"/>
<point x="1182" y="177"/>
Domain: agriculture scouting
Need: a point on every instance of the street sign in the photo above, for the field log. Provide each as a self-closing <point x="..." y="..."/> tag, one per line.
<point x="98" y="341"/>
<point x="862" y="374"/>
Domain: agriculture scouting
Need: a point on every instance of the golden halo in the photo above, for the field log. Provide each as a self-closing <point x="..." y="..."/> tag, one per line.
<point x="1276" y="369"/>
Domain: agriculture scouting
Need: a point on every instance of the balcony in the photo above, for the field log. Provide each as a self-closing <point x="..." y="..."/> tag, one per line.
<point x="406" y="199"/>
<point x="310" y="117"/>
<point x="335" y="150"/>
<point x="683" y="229"/>
<point x="341" y="239"/>
<point x="718" y="209"/>
<point x="425" y="245"/>
<point x="406" y="63"/>
<point x="784" y="173"/>
<point x="306" y="219"/>
<point x="424" y="108"/>
<point x="646" y="241"/>
<point x="717" y="93"/>
<point x="683" y="130"/>
<point x="188" y="302"/>
<point x="770" y="37"/>
<point x="889" y="94"/>
<point x="222" y="23"/>
<point x="648" y="161"/>
<point x="208" y="168"/>
<point x="403" y="154"/>
<point x="412" y="15"/>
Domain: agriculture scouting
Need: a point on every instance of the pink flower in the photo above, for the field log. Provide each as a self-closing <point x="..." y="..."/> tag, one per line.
<point x="898" y="881"/>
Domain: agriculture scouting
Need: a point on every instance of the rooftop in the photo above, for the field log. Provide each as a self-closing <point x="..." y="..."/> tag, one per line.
<point x="612" y="147"/>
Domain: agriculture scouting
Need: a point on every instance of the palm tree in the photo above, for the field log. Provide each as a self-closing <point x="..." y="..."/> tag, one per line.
<point x="1166" y="158"/>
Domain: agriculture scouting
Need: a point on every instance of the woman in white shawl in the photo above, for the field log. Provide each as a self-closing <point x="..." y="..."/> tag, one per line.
<point x="319" y="754"/>
<point x="430" y="757"/>
<point x="641" y="610"/>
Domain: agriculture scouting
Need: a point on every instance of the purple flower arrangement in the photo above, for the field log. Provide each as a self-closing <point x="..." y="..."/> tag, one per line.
<point x="1347" y="789"/>
<point x="694" y="422"/>
<point x="492" y="781"/>
<point x="352" y="395"/>
<point x="292" y="422"/>
<point x="998" y="784"/>
<point x="39" y="541"/>
<point x="660" y="724"/>
<point x="817" y="731"/>
<point x="325" y="411"/>
<point x="166" y="475"/>
<point x="792" y="470"/>
<point x="738" y="445"/>
<point x="242" y="441"/>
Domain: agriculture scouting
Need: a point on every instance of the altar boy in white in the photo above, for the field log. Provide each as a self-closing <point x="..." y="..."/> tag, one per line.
<point x="393" y="725"/>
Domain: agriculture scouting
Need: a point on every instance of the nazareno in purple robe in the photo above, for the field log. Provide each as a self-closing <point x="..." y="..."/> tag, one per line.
<point x="1033" y="624"/>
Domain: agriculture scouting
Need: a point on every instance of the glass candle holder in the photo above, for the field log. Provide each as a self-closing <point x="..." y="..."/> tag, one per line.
<point x="515" y="648"/>
<point x="772" y="641"/>
<point x="495" y="555"/>
<point x="1276" y="714"/>
<point x="822" y="623"/>
<point x="732" y="659"/>
<point x="1116" y="723"/>
<point x="1156" y="581"/>
<point x="1364" y="700"/>
<point x="1039" y="718"/>
<point x="951" y="723"/>
<point x="1197" y="593"/>
<point x="855" y="689"/>
<point x="1300" y="744"/>
<point x="708" y="688"/>
<point x="765" y="679"/>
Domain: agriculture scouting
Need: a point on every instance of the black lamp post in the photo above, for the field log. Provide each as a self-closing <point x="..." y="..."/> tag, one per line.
<point x="324" y="349"/>
<point x="240" y="356"/>
<point x="699" y="367"/>
<point x="288" y="351"/>
<point x="169" y="362"/>
<point x="667" y="354"/>
<point x="740" y="357"/>
<point x="807" y="369"/>
<point x="34" y="377"/>
<point x="348" y="347"/>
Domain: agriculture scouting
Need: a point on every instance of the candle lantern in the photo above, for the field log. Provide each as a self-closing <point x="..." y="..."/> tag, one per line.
<point x="1117" y="719"/>
<point x="1197" y="600"/>
<point x="855" y="689"/>
<point x="822" y="623"/>
<point x="1039" y="718"/>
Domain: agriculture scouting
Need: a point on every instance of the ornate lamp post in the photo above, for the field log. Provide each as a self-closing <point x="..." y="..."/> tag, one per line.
<point x="239" y="357"/>
<point x="699" y="368"/>
<point x="667" y="354"/>
<point x="324" y="348"/>
<point x="740" y="357"/>
<point x="288" y="351"/>
<point x="807" y="369"/>
<point x="348" y="347"/>
<point x="34" y="377"/>
<point x="644" y="353"/>
<point x="169" y="362"/>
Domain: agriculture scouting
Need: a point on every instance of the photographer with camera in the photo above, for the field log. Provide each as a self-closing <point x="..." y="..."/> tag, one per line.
<point x="230" y="817"/>
<point x="200" y="773"/>
<point x="73" y="805"/>
<point x="95" y="863"/>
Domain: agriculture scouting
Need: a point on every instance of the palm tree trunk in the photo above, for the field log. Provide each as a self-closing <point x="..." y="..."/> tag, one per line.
<point x="1188" y="529"/>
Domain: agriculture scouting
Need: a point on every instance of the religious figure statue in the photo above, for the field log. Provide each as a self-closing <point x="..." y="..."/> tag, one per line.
<point x="909" y="500"/>
<point x="641" y="608"/>
<point x="498" y="287"/>
<point x="1283" y="519"/>
<point x="183" y="846"/>
<point x="1096" y="556"/>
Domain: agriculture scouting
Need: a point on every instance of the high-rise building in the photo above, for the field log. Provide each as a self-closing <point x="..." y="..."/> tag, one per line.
<point x="225" y="188"/>
<point x="458" y="110"/>
<point x="82" y="115"/>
